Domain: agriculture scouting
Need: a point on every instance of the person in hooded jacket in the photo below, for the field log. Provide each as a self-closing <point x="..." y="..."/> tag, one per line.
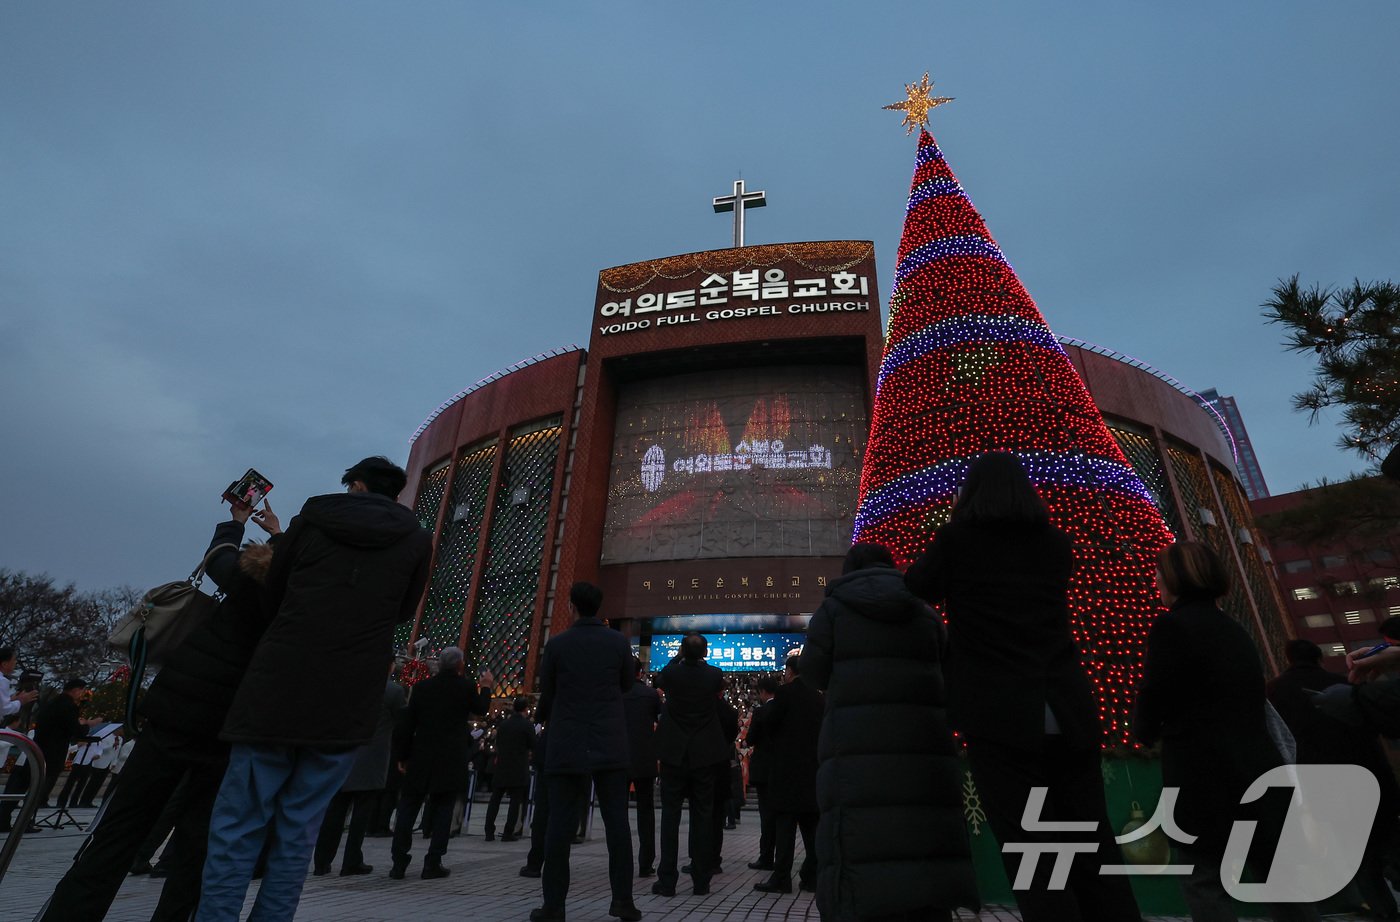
<point x="1017" y="690"/>
<point x="891" y="841"/>
<point x="178" y="748"/>
<point x="350" y="567"/>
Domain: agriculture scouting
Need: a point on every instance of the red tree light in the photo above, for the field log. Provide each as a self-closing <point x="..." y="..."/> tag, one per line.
<point x="971" y="366"/>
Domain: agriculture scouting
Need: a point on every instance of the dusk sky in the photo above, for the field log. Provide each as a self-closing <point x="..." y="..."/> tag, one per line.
<point x="279" y="235"/>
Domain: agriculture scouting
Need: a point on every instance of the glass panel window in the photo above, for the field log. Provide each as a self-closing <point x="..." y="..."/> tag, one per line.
<point x="1332" y="561"/>
<point x="1318" y="621"/>
<point x="1304" y="593"/>
<point x="1335" y="649"/>
<point x="1386" y="582"/>
<point x="1297" y="566"/>
<point x="1364" y="616"/>
<point x="1346" y="587"/>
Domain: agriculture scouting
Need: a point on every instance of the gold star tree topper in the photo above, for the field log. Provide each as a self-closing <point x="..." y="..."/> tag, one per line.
<point x="917" y="105"/>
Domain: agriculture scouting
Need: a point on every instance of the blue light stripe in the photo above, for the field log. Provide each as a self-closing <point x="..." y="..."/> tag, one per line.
<point x="957" y="331"/>
<point x="943" y="248"/>
<point x="941" y="482"/>
<point x="927" y="154"/>
<point x="933" y="188"/>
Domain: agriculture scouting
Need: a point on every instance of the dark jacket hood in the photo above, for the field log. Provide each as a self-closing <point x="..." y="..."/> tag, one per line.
<point x="877" y="593"/>
<point x="360" y="519"/>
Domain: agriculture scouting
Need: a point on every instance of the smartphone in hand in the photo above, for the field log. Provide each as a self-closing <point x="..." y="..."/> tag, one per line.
<point x="250" y="489"/>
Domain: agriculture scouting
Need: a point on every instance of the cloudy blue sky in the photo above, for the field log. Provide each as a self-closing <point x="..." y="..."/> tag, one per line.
<point x="280" y="234"/>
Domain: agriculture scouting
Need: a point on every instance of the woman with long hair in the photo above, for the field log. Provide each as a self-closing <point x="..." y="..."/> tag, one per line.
<point x="1017" y="691"/>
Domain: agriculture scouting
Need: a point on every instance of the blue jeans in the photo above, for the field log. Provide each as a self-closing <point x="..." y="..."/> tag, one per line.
<point x="272" y="794"/>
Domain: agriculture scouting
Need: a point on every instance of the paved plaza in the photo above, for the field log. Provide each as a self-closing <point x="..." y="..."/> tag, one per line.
<point x="485" y="885"/>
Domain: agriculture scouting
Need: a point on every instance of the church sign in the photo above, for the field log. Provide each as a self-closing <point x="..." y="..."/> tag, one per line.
<point x="774" y="281"/>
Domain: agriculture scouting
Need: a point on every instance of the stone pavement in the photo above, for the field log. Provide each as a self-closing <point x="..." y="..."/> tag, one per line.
<point x="484" y="887"/>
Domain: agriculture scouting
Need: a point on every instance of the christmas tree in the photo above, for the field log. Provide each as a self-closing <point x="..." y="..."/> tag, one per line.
<point x="971" y="366"/>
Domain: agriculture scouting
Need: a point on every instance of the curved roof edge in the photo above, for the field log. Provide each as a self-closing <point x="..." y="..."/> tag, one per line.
<point x="494" y="376"/>
<point x="1161" y="376"/>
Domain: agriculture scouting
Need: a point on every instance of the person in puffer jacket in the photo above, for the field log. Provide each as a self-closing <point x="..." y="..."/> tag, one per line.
<point x="891" y="841"/>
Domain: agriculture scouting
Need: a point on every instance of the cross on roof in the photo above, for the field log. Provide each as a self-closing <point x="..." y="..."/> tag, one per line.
<point x="737" y="203"/>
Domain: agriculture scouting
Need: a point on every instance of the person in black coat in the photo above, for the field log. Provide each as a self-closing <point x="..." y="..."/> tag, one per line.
<point x="583" y="676"/>
<point x="758" y="774"/>
<point x="690" y="743"/>
<point x="56" y="725"/>
<point x="642" y="705"/>
<point x="436" y="757"/>
<point x="788" y="728"/>
<point x="1017" y="690"/>
<point x="515" y="740"/>
<point x="178" y="748"/>
<point x="1202" y="698"/>
<point x="724" y="779"/>
<point x="892" y="842"/>
<point x="350" y="567"/>
<point x="359" y="796"/>
<point x="1320" y="740"/>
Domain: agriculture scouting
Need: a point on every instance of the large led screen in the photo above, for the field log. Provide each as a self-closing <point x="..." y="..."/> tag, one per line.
<point x="732" y="652"/>
<point x="752" y="462"/>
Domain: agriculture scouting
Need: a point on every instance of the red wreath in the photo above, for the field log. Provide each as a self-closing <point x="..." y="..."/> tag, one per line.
<point x="413" y="672"/>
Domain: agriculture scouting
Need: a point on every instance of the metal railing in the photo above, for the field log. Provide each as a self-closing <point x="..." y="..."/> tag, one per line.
<point x="29" y="800"/>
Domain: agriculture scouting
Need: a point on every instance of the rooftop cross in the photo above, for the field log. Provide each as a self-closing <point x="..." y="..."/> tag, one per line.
<point x="737" y="203"/>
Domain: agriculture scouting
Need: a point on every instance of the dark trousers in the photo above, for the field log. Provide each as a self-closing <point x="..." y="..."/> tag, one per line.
<point x="1004" y="777"/>
<point x="698" y="786"/>
<point x="86" y="892"/>
<point x="18" y="783"/>
<point x="88" y="794"/>
<point x="77" y="779"/>
<point x="568" y="797"/>
<point x="517" y="808"/>
<point x="163" y="826"/>
<point x="539" y="824"/>
<point x="386" y="802"/>
<point x="1206" y="897"/>
<point x="721" y="813"/>
<point x="765" y="825"/>
<point x="785" y="829"/>
<point x="438" y="818"/>
<point x="646" y="822"/>
<point x="359" y="806"/>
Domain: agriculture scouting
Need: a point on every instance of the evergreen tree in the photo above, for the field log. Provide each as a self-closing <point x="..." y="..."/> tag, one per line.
<point x="1355" y="333"/>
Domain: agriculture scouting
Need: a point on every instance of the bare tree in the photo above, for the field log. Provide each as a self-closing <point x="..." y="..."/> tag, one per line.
<point x="57" y="629"/>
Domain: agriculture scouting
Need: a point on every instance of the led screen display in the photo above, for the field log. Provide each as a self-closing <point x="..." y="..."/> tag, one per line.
<point x="753" y="462"/>
<point x="732" y="652"/>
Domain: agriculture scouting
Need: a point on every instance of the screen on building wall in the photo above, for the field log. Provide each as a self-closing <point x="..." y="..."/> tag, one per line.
<point x="732" y="652"/>
<point x="753" y="462"/>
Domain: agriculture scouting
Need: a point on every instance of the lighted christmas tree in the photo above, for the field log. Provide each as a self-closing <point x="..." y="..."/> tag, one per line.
<point x="971" y="366"/>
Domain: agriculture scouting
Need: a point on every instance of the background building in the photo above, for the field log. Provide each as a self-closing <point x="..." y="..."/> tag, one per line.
<point x="1181" y="450"/>
<point x="1251" y="476"/>
<point x="700" y="460"/>
<point x="1336" y="593"/>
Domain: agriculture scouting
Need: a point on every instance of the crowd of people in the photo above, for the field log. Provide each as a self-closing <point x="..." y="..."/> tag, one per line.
<point x="852" y="748"/>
